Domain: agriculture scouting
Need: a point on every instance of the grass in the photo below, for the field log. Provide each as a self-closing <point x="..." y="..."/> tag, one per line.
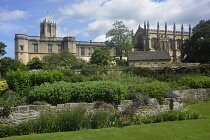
<point x="178" y="130"/>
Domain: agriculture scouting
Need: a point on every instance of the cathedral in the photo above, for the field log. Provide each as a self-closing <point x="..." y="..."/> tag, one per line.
<point x="145" y="40"/>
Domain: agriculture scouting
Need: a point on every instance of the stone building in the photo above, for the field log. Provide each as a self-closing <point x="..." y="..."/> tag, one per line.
<point x="149" y="58"/>
<point x="146" y="39"/>
<point x="27" y="47"/>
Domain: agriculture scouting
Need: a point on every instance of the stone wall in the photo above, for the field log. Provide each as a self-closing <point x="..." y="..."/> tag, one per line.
<point x="23" y="113"/>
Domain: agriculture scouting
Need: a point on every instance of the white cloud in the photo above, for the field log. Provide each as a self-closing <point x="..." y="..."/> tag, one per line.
<point x="62" y="32"/>
<point x="100" y="38"/>
<point x="6" y="16"/>
<point x="102" y="14"/>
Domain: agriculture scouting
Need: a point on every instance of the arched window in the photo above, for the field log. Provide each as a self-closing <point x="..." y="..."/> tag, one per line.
<point x="179" y="44"/>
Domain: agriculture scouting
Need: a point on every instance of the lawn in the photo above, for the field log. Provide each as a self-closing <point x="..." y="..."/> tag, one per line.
<point x="177" y="130"/>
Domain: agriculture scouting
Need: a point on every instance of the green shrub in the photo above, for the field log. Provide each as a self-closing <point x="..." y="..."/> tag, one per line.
<point x="7" y="130"/>
<point x="62" y="92"/>
<point x="154" y="88"/>
<point x="195" y="82"/>
<point x="140" y="71"/>
<point x="18" y="80"/>
<point x="75" y="78"/>
<point x="38" y="78"/>
<point x="93" y="70"/>
<point x="39" y="103"/>
<point x="23" y="129"/>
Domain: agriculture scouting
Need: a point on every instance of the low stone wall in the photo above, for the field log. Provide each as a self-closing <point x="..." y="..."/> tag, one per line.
<point x="23" y="113"/>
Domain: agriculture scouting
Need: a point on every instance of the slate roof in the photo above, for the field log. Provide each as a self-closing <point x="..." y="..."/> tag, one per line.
<point x="149" y="55"/>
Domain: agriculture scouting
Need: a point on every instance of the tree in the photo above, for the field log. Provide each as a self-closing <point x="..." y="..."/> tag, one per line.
<point x="8" y="63"/>
<point x="36" y="63"/>
<point x="121" y="39"/>
<point x="2" y="49"/>
<point x="197" y="48"/>
<point x="63" y="60"/>
<point x="100" y="57"/>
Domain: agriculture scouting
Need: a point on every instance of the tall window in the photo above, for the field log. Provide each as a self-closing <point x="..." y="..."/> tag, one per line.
<point x="59" y="48"/>
<point x="82" y="51"/>
<point x="89" y="51"/>
<point x="49" y="48"/>
<point x="179" y="44"/>
<point x="171" y="44"/>
<point x="35" y="48"/>
<point x="21" y="48"/>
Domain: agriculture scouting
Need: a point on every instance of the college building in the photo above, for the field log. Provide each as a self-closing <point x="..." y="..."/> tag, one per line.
<point x="145" y="41"/>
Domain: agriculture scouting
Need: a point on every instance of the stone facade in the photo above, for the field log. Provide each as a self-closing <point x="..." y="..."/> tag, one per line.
<point x="28" y="47"/>
<point x="147" y="39"/>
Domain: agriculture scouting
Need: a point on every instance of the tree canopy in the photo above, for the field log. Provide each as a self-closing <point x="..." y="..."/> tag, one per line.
<point x="120" y="39"/>
<point x="100" y="57"/>
<point x="197" y="48"/>
<point x="2" y="49"/>
<point x="8" y="63"/>
<point x="36" y="63"/>
<point x="63" y="60"/>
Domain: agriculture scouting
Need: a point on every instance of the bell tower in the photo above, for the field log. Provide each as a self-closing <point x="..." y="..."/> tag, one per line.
<point x="47" y="28"/>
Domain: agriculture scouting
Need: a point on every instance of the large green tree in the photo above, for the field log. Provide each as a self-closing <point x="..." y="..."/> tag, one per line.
<point x="2" y="49"/>
<point x="197" y="48"/>
<point x="120" y="38"/>
<point x="100" y="57"/>
<point x="8" y="63"/>
<point x="63" y="60"/>
<point x="36" y="63"/>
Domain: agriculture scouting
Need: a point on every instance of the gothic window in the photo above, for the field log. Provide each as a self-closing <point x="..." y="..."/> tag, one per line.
<point x="49" y="48"/>
<point x="21" y="48"/>
<point x="178" y="44"/>
<point x="59" y="48"/>
<point x="82" y="51"/>
<point x="171" y="44"/>
<point x="154" y="43"/>
<point x="35" y="48"/>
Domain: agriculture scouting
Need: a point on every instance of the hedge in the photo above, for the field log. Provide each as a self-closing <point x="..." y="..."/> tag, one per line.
<point x="154" y="88"/>
<point x="18" y="80"/>
<point x="90" y="91"/>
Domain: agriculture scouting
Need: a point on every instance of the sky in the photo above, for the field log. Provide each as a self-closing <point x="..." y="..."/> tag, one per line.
<point x="92" y="19"/>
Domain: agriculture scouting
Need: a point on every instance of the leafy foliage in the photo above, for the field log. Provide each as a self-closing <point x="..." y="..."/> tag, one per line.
<point x="100" y="57"/>
<point x="93" y="70"/>
<point x="121" y="39"/>
<point x="2" y="49"/>
<point x="18" y="80"/>
<point x="154" y="88"/>
<point x="35" y="63"/>
<point x="197" y="48"/>
<point x="63" y="92"/>
<point x="8" y="63"/>
<point x="63" y="60"/>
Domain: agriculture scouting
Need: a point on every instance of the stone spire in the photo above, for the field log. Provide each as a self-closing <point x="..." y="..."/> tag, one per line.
<point x="145" y="29"/>
<point x="166" y="30"/>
